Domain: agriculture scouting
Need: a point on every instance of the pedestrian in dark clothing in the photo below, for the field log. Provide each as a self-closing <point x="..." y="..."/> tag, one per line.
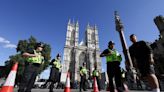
<point x="33" y="62"/>
<point x="55" y="72"/>
<point x="113" y="59"/>
<point x="142" y="57"/>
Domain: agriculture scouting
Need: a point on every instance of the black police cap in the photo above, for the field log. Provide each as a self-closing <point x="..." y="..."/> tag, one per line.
<point x="111" y="42"/>
<point x="40" y="44"/>
<point x="58" y="55"/>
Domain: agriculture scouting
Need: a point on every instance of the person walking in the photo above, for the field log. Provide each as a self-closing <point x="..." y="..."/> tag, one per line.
<point x="33" y="62"/>
<point x="83" y="74"/>
<point x="142" y="57"/>
<point x="113" y="59"/>
<point x="55" y="72"/>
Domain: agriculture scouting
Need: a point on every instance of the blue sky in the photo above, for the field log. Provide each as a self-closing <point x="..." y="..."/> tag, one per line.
<point x="47" y="21"/>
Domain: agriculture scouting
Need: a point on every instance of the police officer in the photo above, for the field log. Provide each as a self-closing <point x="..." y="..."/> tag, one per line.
<point x="83" y="74"/>
<point x="123" y="74"/>
<point x="96" y="73"/>
<point x="55" y="72"/>
<point x="113" y="59"/>
<point x="34" y="59"/>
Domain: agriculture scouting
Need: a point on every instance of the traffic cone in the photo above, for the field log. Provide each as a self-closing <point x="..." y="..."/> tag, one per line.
<point x="95" y="87"/>
<point x="10" y="81"/>
<point x="67" y="85"/>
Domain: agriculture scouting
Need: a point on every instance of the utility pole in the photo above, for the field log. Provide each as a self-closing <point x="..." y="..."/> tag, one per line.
<point x="120" y="29"/>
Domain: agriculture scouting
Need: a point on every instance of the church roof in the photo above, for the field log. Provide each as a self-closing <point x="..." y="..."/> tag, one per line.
<point x="82" y="43"/>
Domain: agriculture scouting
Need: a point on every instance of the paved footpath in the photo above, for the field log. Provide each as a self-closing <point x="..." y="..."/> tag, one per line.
<point x="74" y="90"/>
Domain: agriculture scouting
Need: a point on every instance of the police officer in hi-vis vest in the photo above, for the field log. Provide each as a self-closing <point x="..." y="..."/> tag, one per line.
<point x="34" y="59"/>
<point x="96" y="73"/>
<point x="113" y="59"/>
<point x="55" y="72"/>
<point x="83" y="74"/>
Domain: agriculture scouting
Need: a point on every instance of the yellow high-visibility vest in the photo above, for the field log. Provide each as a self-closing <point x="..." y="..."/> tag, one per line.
<point x="95" y="73"/>
<point x="83" y="70"/>
<point x="115" y="56"/>
<point x="38" y="59"/>
<point x="123" y="75"/>
<point x="57" y="63"/>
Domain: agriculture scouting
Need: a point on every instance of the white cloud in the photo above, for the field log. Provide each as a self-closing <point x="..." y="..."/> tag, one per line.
<point x="3" y="40"/>
<point x="7" y="43"/>
<point x="10" y="46"/>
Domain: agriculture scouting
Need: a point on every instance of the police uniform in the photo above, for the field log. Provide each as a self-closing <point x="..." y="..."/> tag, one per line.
<point x="113" y="67"/>
<point x="32" y="66"/>
<point x="83" y="73"/>
<point x="54" y="74"/>
<point x="123" y="75"/>
<point x="96" y="74"/>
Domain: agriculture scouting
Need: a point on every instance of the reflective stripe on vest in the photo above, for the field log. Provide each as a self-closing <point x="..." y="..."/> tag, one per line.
<point x="115" y="56"/>
<point x="38" y="59"/>
<point x="57" y="63"/>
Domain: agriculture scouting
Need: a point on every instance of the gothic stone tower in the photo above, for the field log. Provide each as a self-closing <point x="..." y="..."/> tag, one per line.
<point x="75" y="54"/>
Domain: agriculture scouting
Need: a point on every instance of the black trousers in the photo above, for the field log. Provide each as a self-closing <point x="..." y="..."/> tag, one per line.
<point x="114" y="71"/>
<point x="28" y="78"/>
<point x="83" y="82"/>
<point x="54" y="77"/>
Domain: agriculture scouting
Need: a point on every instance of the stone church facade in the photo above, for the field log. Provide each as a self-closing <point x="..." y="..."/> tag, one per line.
<point x="76" y="53"/>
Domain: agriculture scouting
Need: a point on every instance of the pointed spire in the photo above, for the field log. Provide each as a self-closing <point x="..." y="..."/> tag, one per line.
<point x="88" y="26"/>
<point x="95" y="27"/>
<point x="77" y="23"/>
<point x="82" y="43"/>
<point x="69" y="21"/>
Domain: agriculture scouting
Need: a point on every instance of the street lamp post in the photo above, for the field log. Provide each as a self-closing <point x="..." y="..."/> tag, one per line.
<point x="120" y="29"/>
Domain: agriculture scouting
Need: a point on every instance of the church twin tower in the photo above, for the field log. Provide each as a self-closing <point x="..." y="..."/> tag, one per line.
<point x="75" y="54"/>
